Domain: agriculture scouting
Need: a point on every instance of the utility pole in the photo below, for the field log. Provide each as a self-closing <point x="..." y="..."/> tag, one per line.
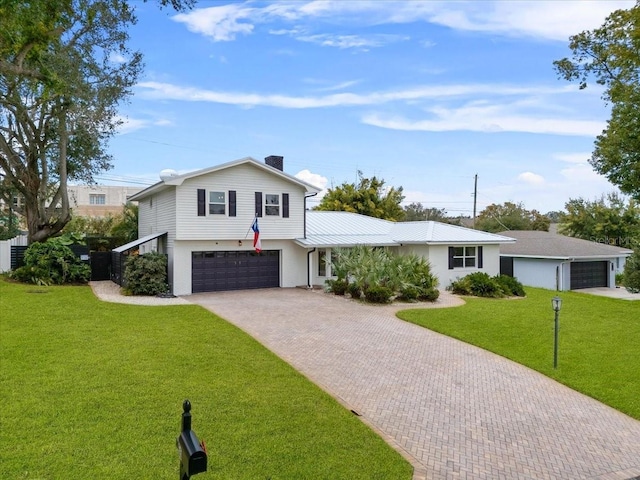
<point x="475" y="198"/>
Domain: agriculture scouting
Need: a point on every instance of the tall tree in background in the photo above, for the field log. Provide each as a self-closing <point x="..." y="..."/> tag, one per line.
<point x="608" y="219"/>
<point x="368" y="197"/>
<point x="416" y="212"/>
<point x="64" y="69"/>
<point x="611" y="55"/>
<point x="510" y="216"/>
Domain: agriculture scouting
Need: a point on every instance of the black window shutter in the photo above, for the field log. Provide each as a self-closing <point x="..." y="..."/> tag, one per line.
<point x="202" y="204"/>
<point x="451" y="253"/>
<point x="479" y="257"/>
<point x="232" y="203"/>
<point x="258" y="204"/>
<point x="285" y="205"/>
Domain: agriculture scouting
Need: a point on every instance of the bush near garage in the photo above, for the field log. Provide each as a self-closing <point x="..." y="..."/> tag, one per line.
<point x="146" y="274"/>
<point x="632" y="272"/>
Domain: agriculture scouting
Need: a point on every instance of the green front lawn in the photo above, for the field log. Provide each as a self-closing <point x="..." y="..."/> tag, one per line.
<point x="95" y="390"/>
<point x="599" y="341"/>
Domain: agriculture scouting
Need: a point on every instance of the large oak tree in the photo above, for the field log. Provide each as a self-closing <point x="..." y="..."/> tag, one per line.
<point x="65" y="67"/>
<point x="610" y="55"/>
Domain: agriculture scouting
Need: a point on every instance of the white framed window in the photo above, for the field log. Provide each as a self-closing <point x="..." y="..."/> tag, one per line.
<point x="464" y="257"/>
<point x="217" y="203"/>
<point x="272" y="204"/>
<point x="97" y="199"/>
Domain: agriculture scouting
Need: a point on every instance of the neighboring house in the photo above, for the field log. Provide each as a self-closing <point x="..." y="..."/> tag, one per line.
<point x="99" y="200"/>
<point x="558" y="262"/>
<point x="202" y="221"/>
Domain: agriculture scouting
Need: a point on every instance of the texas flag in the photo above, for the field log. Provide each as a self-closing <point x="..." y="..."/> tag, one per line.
<point x="256" y="236"/>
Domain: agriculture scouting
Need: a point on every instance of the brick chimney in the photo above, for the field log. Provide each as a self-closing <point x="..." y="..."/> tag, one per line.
<point x="275" y="161"/>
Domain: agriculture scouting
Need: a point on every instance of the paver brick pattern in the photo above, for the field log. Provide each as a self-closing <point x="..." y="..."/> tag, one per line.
<point x="456" y="411"/>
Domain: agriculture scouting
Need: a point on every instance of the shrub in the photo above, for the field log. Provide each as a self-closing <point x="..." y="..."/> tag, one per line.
<point x="408" y="277"/>
<point x="337" y="286"/>
<point x="632" y="272"/>
<point x="52" y="263"/>
<point x="429" y="295"/>
<point x="409" y="292"/>
<point x="354" y="290"/>
<point x="378" y="294"/>
<point x="146" y="274"/>
<point x="479" y="284"/>
<point x="619" y="279"/>
<point x="510" y="285"/>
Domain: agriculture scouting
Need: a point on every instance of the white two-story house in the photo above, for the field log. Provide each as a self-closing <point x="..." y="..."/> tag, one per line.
<point x="202" y="221"/>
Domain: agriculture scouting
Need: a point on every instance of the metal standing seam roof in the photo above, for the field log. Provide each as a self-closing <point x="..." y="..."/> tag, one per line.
<point x="538" y="244"/>
<point x="140" y="241"/>
<point x="325" y="229"/>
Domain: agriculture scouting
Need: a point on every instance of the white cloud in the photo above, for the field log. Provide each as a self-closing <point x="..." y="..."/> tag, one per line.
<point x="129" y="124"/>
<point x="117" y="58"/>
<point x="555" y="20"/>
<point x="531" y="178"/>
<point x="351" y="41"/>
<point x="316" y="180"/>
<point x="488" y="119"/>
<point x="577" y="157"/>
<point x="167" y="91"/>
<point x="222" y="23"/>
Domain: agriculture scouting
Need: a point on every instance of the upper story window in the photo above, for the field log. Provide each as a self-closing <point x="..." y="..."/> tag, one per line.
<point x="217" y="203"/>
<point x="272" y="204"/>
<point x="97" y="199"/>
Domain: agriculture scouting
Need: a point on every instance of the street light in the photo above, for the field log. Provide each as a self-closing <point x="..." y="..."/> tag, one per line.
<point x="556" y="303"/>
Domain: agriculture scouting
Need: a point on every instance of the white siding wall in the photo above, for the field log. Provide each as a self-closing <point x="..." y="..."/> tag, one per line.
<point x="158" y="214"/>
<point x="438" y="256"/>
<point x="293" y="266"/>
<point x="245" y="180"/>
<point x="535" y="272"/>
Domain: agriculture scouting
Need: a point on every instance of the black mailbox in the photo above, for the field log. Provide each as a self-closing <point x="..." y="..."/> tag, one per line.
<point x="193" y="457"/>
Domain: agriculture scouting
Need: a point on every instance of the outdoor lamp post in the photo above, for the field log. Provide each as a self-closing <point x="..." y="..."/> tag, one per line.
<point x="556" y="303"/>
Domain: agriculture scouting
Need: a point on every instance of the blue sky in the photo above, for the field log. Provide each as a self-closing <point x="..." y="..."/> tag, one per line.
<point x="423" y="94"/>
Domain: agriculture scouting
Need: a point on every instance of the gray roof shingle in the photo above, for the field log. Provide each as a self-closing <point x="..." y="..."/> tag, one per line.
<point x="533" y="243"/>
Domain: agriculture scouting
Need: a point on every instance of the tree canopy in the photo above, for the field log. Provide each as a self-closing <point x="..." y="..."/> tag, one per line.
<point x="367" y="197"/>
<point x="510" y="216"/>
<point x="65" y="67"/>
<point x="609" y="219"/>
<point x="416" y="212"/>
<point x="610" y="54"/>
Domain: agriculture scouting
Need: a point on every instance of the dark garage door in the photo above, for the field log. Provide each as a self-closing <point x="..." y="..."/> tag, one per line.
<point x="219" y="271"/>
<point x="589" y="274"/>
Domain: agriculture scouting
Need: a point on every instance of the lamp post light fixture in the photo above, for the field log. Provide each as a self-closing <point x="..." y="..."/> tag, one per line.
<point x="556" y="303"/>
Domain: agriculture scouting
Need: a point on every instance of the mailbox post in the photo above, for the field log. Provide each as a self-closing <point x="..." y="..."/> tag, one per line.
<point x="193" y="456"/>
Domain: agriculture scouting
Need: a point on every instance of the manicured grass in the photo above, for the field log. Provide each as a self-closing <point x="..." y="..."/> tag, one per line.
<point x="95" y="390"/>
<point x="599" y="341"/>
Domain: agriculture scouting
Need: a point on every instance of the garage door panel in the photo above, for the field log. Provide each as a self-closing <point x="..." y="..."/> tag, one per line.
<point x="231" y="270"/>
<point x="589" y="274"/>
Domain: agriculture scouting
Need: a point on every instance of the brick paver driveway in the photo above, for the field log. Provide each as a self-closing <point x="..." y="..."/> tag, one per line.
<point x="454" y="410"/>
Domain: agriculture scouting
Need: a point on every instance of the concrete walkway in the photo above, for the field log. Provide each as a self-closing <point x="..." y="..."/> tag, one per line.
<point x="455" y="411"/>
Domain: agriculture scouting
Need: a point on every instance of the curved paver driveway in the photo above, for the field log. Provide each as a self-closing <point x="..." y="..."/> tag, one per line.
<point x="456" y="410"/>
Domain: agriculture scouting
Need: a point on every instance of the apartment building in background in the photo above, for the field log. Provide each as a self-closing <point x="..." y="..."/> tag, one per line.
<point x="99" y="200"/>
